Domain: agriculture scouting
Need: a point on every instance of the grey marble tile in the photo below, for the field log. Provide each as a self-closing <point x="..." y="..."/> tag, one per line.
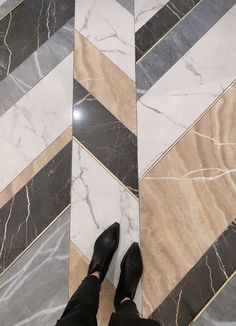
<point x="36" y="66"/>
<point x="34" y="207"/>
<point x="105" y="137"/>
<point x="127" y="4"/>
<point x="34" y="290"/>
<point x="7" y="5"/>
<point x="221" y="312"/>
<point x="200" y="285"/>
<point x="167" y="52"/>
<point x="160" y="24"/>
<point x="27" y="27"/>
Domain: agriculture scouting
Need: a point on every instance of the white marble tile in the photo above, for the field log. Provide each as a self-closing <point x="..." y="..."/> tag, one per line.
<point x="186" y="90"/>
<point x="127" y="4"/>
<point x="110" y="28"/>
<point x="34" y="291"/>
<point x="144" y="10"/>
<point x="98" y="200"/>
<point x="35" y="121"/>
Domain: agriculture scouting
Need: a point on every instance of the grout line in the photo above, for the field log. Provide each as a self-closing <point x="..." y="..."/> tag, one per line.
<point x="187" y="130"/>
<point x="101" y="52"/>
<point x="10" y="10"/>
<point x="213" y="298"/>
<point x="100" y="163"/>
<point x="168" y="30"/>
<point x="33" y="242"/>
<point x="31" y="165"/>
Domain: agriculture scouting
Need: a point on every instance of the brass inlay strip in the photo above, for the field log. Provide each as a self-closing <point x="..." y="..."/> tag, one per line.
<point x="104" y="167"/>
<point x="167" y="32"/>
<point x="10" y="10"/>
<point x="45" y="230"/>
<point x="34" y="167"/>
<point x="186" y="131"/>
<point x="213" y="298"/>
<point x="105" y="81"/>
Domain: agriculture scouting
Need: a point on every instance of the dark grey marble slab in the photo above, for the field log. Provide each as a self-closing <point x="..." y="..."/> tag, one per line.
<point x="34" y="291"/>
<point x="194" y="291"/>
<point x="27" y="27"/>
<point x="34" y="207"/>
<point x="36" y="66"/>
<point x="7" y="6"/>
<point x="178" y="41"/>
<point x="128" y="5"/>
<point x="159" y="25"/>
<point x="114" y="145"/>
<point x="221" y="312"/>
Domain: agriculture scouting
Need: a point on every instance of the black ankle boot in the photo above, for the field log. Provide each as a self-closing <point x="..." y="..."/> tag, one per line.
<point x="104" y="249"/>
<point x="131" y="272"/>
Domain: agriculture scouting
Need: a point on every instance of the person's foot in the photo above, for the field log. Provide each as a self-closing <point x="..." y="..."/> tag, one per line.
<point x="104" y="249"/>
<point x="131" y="272"/>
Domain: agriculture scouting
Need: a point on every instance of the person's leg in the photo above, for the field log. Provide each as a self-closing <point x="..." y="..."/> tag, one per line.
<point x="126" y="310"/>
<point x="82" y="308"/>
<point x="83" y="305"/>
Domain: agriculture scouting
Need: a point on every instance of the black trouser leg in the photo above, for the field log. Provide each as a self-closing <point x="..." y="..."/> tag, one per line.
<point x="127" y="311"/>
<point x="83" y="306"/>
<point x="127" y="315"/>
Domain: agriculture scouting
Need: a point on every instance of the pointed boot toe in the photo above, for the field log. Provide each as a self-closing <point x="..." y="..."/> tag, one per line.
<point x="131" y="272"/>
<point x="104" y="249"/>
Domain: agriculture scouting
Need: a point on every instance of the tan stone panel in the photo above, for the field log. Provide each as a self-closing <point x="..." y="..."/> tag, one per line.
<point x="105" y="81"/>
<point x="188" y="199"/>
<point x="33" y="168"/>
<point x="78" y="271"/>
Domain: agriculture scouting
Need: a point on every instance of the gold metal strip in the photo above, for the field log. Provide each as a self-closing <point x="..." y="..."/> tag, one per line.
<point x="186" y="131"/>
<point x="35" y="166"/>
<point x="26" y="249"/>
<point x="168" y="31"/>
<point x="213" y="298"/>
<point x="104" y="167"/>
<point x="10" y="10"/>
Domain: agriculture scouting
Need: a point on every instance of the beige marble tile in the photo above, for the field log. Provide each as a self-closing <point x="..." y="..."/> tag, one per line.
<point x="188" y="199"/>
<point x="78" y="271"/>
<point x="113" y="88"/>
<point x="33" y="168"/>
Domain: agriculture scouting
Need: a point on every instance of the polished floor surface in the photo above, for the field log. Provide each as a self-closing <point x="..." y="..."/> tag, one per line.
<point x="119" y="110"/>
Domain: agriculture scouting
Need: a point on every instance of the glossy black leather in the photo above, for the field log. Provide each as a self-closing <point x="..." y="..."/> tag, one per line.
<point x="131" y="272"/>
<point x="104" y="249"/>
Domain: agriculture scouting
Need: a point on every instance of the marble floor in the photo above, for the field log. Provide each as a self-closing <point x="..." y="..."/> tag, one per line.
<point x="119" y="110"/>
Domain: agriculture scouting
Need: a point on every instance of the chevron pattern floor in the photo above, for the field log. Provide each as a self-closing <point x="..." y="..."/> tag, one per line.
<point x="119" y="110"/>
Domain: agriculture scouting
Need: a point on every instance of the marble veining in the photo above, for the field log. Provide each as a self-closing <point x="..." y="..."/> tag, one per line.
<point x="105" y="137"/>
<point x="34" y="291"/>
<point x="35" y="121"/>
<point x="144" y="10"/>
<point x="221" y="312"/>
<point x="180" y="40"/>
<point x="7" y="5"/>
<point x="105" y="81"/>
<point x="33" y="168"/>
<point x="189" y="194"/>
<point x="128" y="5"/>
<point x="185" y="91"/>
<point x="18" y="41"/>
<point x="78" y="271"/>
<point x="36" y="66"/>
<point x="194" y="291"/>
<point x="34" y="207"/>
<point x="159" y="25"/>
<point x="98" y="200"/>
<point x="110" y="28"/>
